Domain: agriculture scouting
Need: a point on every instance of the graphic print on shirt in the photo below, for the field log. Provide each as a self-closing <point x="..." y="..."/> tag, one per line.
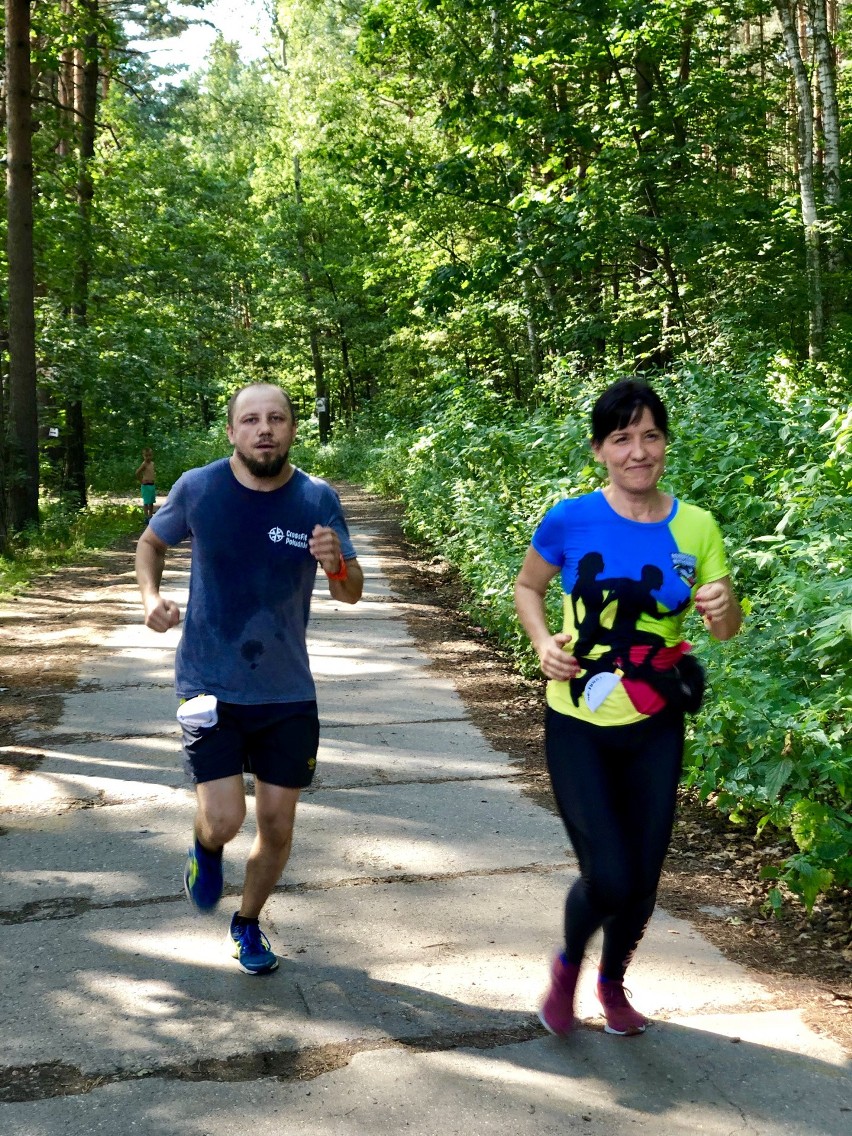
<point x="626" y="589"/>
<point x="686" y="567"/>
<point x="606" y="612"/>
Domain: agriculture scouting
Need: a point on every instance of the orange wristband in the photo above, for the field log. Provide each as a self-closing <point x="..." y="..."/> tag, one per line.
<point x="341" y="573"/>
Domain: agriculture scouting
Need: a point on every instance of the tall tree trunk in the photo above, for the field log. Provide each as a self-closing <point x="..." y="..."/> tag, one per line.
<point x="787" y="10"/>
<point x="323" y="402"/>
<point x="21" y="441"/>
<point x="827" y="77"/>
<point x="498" y="63"/>
<point x="4" y="449"/>
<point x="348" y="397"/>
<point x="652" y="350"/>
<point x="66" y="85"/>
<point x="533" y="342"/>
<point x="86" y="104"/>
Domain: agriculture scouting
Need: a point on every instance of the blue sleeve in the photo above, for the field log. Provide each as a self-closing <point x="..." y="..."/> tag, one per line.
<point x="549" y="538"/>
<point x="170" y="522"/>
<point x="337" y="521"/>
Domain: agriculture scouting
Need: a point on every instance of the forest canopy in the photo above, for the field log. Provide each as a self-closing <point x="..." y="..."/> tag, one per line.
<point x="445" y="225"/>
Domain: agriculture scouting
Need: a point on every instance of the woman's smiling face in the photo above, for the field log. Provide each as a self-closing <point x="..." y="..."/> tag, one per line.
<point x="634" y="456"/>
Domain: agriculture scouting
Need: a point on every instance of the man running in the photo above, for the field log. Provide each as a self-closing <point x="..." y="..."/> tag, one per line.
<point x="259" y="528"/>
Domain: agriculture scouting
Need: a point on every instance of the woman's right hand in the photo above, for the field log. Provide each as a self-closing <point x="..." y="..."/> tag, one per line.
<point x="555" y="661"/>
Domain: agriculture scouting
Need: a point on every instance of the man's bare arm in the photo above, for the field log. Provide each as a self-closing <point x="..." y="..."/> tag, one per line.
<point x="160" y="613"/>
<point x="351" y="589"/>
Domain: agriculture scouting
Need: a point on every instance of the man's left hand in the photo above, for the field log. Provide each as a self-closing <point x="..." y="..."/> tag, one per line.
<point x="324" y="546"/>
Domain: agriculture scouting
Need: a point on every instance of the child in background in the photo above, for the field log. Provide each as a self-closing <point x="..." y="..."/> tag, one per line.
<point x="147" y="476"/>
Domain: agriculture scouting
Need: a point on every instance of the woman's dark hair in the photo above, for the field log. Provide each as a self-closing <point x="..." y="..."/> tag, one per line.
<point x="622" y="404"/>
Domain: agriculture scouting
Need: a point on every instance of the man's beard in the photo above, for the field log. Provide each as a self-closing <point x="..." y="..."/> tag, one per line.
<point x="269" y="466"/>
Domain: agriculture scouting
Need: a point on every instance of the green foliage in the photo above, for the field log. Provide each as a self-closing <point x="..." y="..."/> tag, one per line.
<point x="112" y="472"/>
<point x="64" y="536"/>
<point x="769" y="455"/>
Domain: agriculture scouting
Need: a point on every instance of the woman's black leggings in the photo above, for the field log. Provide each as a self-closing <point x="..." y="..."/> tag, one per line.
<point x="615" y="787"/>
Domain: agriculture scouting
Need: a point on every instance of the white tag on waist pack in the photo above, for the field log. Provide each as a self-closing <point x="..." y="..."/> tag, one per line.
<point x="599" y="688"/>
<point x="198" y="711"/>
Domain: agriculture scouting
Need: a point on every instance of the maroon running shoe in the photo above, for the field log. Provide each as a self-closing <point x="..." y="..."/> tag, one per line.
<point x="620" y="1016"/>
<point x="557" y="1010"/>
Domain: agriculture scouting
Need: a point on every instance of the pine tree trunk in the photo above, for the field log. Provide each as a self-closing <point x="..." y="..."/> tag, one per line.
<point x="21" y="440"/>
<point x="86" y="102"/>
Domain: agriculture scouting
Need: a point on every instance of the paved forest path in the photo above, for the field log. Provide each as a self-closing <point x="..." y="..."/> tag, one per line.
<point x="415" y="923"/>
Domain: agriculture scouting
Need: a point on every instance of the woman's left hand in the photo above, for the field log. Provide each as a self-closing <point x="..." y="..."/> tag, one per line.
<point x="719" y="607"/>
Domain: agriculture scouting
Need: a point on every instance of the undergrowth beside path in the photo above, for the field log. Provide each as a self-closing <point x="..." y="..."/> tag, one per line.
<point x="772" y="748"/>
<point x="64" y="536"/>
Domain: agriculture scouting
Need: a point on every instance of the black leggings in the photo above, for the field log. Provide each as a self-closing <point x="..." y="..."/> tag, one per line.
<point x="615" y="787"/>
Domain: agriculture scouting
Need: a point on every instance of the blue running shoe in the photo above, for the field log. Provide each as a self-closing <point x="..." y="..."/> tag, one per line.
<point x="203" y="880"/>
<point x="251" y="949"/>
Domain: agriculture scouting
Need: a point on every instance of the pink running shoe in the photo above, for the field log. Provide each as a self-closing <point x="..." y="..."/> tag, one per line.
<point x="557" y="1010"/>
<point x="620" y="1016"/>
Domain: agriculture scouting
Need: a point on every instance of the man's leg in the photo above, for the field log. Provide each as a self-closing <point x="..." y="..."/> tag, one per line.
<point x="282" y="748"/>
<point x="220" y="811"/>
<point x="276" y="814"/>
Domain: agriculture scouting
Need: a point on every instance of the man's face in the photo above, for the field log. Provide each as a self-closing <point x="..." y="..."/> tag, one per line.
<point x="263" y="431"/>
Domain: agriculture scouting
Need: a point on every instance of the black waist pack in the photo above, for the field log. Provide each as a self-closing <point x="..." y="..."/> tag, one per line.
<point x="682" y="686"/>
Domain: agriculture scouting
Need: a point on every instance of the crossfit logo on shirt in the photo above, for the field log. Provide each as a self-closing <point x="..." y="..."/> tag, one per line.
<point x="685" y="566"/>
<point x="298" y="540"/>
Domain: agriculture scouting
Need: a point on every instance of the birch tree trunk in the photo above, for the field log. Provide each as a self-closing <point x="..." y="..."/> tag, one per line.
<point x="788" y="11"/>
<point x="827" y="78"/>
<point x="21" y="441"/>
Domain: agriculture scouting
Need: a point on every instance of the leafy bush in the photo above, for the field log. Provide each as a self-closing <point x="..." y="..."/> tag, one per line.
<point x="63" y="536"/>
<point x="766" y="449"/>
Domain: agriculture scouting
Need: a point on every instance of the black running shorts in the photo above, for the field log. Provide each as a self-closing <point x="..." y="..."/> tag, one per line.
<point x="276" y="742"/>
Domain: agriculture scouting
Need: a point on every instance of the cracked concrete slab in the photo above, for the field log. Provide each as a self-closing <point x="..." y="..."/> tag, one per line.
<point x="139" y="986"/>
<point x="414" y="923"/>
<point x="129" y="848"/>
<point x="689" y="1084"/>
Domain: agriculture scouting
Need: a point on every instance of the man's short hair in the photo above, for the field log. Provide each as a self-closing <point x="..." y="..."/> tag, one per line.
<point x="250" y="386"/>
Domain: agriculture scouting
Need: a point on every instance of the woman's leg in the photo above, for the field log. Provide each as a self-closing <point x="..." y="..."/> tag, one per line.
<point x="650" y="773"/>
<point x="585" y="795"/>
<point x="615" y="788"/>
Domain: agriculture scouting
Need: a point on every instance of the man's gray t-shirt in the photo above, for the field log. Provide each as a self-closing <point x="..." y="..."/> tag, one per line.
<point x="250" y="583"/>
